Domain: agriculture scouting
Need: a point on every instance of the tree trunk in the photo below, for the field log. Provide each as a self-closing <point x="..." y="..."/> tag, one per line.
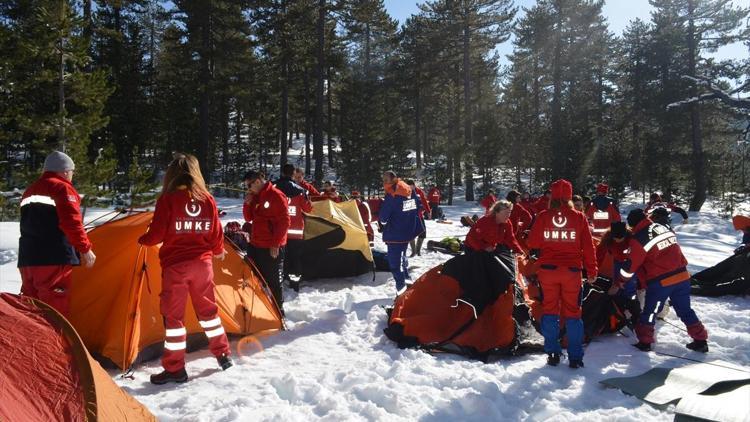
<point x="319" y="66"/>
<point x="283" y="147"/>
<point x="418" y="128"/>
<point x="468" y="115"/>
<point x="308" y="124"/>
<point x="329" y="119"/>
<point x="558" y="148"/>
<point x="205" y="81"/>
<point x="699" y="165"/>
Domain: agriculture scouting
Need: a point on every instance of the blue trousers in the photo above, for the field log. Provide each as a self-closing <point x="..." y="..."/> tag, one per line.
<point x="574" y="331"/>
<point x="679" y="296"/>
<point x="399" y="264"/>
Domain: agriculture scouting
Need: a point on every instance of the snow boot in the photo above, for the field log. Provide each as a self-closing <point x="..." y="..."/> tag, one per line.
<point x="643" y="347"/>
<point x="166" y="376"/>
<point x="576" y="363"/>
<point x="553" y="359"/>
<point x="698" y="346"/>
<point x="225" y="362"/>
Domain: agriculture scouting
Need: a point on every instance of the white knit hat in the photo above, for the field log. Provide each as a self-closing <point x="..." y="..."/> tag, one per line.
<point x="58" y="162"/>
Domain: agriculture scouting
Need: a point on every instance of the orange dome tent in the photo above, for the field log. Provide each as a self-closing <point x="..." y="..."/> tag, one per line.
<point x="115" y="305"/>
<point x="46" y="374"/>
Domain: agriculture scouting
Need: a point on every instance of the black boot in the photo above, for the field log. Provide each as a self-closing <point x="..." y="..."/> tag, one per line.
<point x="576" y="363"/>
<point x="643" y="347"/>
<point x="553" y="359"/>
<point x="166" y="376"/>
<point x="698" y="346"/>
<point x="225" y="362"/>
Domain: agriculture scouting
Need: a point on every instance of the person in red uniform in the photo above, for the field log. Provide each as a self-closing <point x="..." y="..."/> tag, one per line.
<point x="527" y="201"/>
<point x="542" y="203"/>
<point x="433" y="200"/>
<point x="364" y="212"/>
<point x="663" y="210"/>
<point x="186" y="223"/>
<point x="329" y="192"/>
<point x="299" y="178"/>
<point x="416" y="244"/>
<point x="615" y="242"/>
<point x="488" y="201"/>
<point x="561" y="240"/>
<point x="493" y="230"/>
<point x="602" y="210"/>
<point x="519" y="217"/>
<point x="267" y="208"/>
<point x="53" y="239"/>
<point x="299" y="204"/>
<point x="656" y="257"/>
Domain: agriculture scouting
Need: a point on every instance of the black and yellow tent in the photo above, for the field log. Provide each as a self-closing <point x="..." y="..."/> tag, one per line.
<point x="335" y="243"/>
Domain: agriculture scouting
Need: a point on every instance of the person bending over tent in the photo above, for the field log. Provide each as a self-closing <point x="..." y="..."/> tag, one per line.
<point x="399" y="219"/>
<point x="416" y="244"/>
<point x="658" y="260"/>
<point x="299" y="178"/>
<point x="493" y="230"/>
<point x="52" y="234"/>
<point x="299" y="203"/>
<point x="603" y="210"/>
<point x="615" y="242"/>
<point x="267" y="208"/>
<point x="561" y="240"/>
<point x="187" y="224"/>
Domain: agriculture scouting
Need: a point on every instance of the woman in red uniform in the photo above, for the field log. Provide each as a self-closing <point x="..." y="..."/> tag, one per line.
<point x="561" y="240"/>
<point x="493" y="229"/>
<point x="187" y="224"/>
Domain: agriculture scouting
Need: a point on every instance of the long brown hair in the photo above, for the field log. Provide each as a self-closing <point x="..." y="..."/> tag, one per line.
<point x="185" y="170"/>
<point x="555" y="204"/>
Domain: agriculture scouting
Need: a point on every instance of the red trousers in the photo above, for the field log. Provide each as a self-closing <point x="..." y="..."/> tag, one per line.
<point x="195" y="278"/>
<point x="48" y="283"/>
<point x="561" y="292"/>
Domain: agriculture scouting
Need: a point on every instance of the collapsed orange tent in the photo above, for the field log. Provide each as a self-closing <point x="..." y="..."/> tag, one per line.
<point x="115" y="305"/>
<point x="46" y="373"/>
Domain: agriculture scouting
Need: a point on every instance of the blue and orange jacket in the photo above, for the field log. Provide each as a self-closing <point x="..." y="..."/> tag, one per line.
<point x="655" y="255"/>
<point x="51" y="224"/>
<point x="399" y="214"/>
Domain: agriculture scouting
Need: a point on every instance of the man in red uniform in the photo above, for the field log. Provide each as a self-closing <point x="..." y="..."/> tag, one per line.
<point x="416" y="244"/>
<point x="433" y="200"/>
<point x="519" y="217"/>
<point x="329" y="192"/>
<point x="603" y="210"/>
<point x="528" y="202"/>
<point x="299" y="203"/>
<point x="299" y="178"/>
<point x="542" y="203"/>
<point x="493" y="230"/>
<point x="658" y="260"/>
<point x="660" y="211"/>
<point x="268" y="209"/>
<point x="364" y="212"/>
<point x="52" y="234"/>
<point x="488" y="201"/>
<point x="561" y="240"/>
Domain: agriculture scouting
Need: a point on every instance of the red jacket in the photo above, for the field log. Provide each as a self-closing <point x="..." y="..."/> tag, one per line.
<point x="602" y="212"/>
<point x="487" y="202"/>
<point x="486" y="233"/>
<point x="520" y="218"/>
<point x="188" y="230"/>
<point x="563" y="238"/>
<point x="331" y="194"/>
<point x="655" y="255"/>
<point x="541" y="204"/>
<point x="298" y="204"/>
<point x="364" y="212"/>
<point x="269" y="212"/>
<point x="529" y="205"/>
<point x="425" y="205"/>
<point x="311" y="191"/>
<point x="51" y="223"/>
<point x="433" y="196"/>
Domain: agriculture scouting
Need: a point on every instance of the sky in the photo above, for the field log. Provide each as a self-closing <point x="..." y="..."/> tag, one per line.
<point x="618" y="13"/>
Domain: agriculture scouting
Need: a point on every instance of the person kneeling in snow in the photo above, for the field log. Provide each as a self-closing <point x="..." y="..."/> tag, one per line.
<point x="400" y="222"/>
<point x="187" y="224"/>
<point x="493" y="230"/>
<point x="658" y="260"/>
<point x="561" y="239"/>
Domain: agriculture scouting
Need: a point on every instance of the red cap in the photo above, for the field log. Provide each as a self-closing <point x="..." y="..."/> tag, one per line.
<point x="602" y="188"/>
<point x="562" y="190"/>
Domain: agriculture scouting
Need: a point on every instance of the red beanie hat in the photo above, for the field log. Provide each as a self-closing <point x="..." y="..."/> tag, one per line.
<point x="602" y="188"/>
<point x="562" y="190"/>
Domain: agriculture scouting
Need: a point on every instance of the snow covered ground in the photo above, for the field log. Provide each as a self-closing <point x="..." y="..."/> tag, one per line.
<point x="334" y="363"/>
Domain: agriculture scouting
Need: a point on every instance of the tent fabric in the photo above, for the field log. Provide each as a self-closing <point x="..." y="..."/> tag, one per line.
<point x="51" y="376"/>
<point x="729" y="277"/>
<point x="335" y="242"/>
<point x="432" y="316"/>
<point x="115" y="305"/>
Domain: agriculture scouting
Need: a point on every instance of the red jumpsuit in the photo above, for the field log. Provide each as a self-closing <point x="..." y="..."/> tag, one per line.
<point x="487" y="233"/>
<point x="190" y="233"/>
<point x="487" y="202"/>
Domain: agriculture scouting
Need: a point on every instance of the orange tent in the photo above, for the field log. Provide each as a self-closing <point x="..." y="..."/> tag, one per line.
<point x="46" y="374"/>
<point x="115" y="305"/>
